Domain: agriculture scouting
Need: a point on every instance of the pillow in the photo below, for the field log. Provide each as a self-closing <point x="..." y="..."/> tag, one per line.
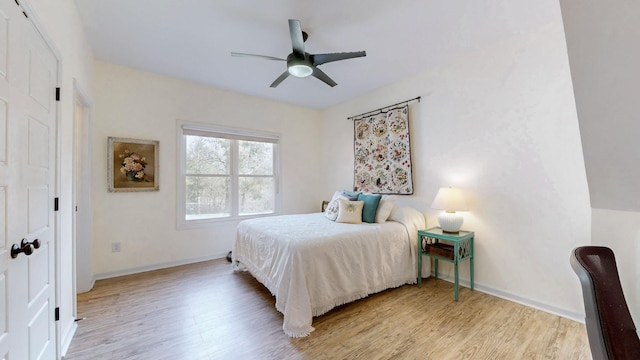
<point x="331" y="211"/>
<point x="387" y="202"/>
<point x="352" y="195"/>
<point x="350" y="211"/>
<point x="408" y="216"/>
<point x="370" y="206"/>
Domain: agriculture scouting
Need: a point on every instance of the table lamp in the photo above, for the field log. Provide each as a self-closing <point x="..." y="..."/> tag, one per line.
<point x="450" y="200"/>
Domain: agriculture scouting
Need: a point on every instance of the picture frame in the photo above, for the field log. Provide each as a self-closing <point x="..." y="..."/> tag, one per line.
<point x="132" y="164"/>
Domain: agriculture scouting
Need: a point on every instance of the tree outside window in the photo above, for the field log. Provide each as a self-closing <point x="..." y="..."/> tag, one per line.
<point x="227" y="176"/>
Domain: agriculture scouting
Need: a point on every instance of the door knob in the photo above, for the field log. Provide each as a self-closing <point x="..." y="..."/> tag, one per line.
<point x="35" y="243"/>
<point x="25" y="247"/>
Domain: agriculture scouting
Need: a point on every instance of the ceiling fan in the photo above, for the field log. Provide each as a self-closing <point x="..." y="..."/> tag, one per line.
<point x="302" y="64"/>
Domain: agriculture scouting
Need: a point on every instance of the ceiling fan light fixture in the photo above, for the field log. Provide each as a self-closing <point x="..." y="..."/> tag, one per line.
<point x="300" y="70"/>
<point x="299" y="62"/>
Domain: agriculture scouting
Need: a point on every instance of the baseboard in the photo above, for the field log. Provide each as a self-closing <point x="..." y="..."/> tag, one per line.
<point x="519" y="299"/>
<point x="93" y="283"/>
<point x="142" y="269"/>
<point x="66" y="340"/>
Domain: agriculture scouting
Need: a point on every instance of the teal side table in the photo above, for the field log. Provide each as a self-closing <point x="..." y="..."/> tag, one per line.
<point x="453" y="248"/>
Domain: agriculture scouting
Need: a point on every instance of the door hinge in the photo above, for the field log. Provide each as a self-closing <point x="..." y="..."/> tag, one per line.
<point x="57" y="94"/>
<point x="57" y="314"/>
<point x="56" y="204"/>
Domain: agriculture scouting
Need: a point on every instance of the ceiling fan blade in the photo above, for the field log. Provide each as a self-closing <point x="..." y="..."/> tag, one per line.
<point x="280" y="78"/>
<point x="319" y="59"/>
<point x="236" y="54"/>
<point x="297" y="42"/>
<point x="324" y="77"/>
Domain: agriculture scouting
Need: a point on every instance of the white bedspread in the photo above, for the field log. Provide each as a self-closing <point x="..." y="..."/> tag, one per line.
<point x="311" y="264"/>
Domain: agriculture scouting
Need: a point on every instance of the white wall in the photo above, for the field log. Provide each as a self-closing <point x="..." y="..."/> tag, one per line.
<point x="135" y="104"/>
<point x="604" y="52"/>
<point x="620" y="231"/>
<point x="62" y="25"/>
<point x="501" y="124"/>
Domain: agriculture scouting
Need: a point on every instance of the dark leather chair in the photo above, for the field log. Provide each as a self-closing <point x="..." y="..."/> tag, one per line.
<point x="610" y="328"/>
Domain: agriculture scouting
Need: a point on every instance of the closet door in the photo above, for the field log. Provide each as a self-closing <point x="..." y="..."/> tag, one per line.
<point x="28" y="115"/>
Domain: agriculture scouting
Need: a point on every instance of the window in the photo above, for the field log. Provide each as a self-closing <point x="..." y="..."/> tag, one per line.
<point x="225" y="173"/>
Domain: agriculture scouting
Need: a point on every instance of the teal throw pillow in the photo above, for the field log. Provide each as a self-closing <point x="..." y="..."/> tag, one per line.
<point x="370" y="207"/>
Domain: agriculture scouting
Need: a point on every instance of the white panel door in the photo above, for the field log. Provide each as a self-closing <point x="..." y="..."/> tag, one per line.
<point x="28" y="119"/>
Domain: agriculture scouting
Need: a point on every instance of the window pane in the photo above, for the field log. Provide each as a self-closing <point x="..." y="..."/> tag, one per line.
<point x="206" y="155"/>
<point x="256" y="158"/>
<point x="207" y="197"/>
<point x="256" y="195"/>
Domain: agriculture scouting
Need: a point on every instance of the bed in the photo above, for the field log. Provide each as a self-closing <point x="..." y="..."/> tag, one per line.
<point x="312" y="264"/>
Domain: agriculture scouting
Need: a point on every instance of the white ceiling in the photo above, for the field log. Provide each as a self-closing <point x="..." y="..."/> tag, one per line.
<point x="193" y="39"/>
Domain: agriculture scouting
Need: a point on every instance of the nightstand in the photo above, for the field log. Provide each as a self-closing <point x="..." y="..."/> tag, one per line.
<point x="453" y="248"/>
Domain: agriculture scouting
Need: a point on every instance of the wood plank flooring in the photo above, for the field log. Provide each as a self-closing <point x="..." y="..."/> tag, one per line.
<point x="208" y="311"/>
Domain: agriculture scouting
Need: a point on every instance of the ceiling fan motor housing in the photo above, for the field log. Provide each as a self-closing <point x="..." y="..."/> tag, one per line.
<point x="299" y="67"/>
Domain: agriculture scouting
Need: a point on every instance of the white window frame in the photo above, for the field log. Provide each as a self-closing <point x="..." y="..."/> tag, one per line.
<point x="227" y="132"/>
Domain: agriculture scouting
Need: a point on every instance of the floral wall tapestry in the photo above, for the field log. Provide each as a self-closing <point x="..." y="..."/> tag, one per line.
<point x="383" y="153"/>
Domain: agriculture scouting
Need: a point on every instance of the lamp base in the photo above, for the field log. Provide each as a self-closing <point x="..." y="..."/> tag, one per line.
<point x="450" y="222"/>
<point x="451" y="232"/>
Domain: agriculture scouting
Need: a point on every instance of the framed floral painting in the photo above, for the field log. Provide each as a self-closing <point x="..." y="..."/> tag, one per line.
<point x="132" y="165"/>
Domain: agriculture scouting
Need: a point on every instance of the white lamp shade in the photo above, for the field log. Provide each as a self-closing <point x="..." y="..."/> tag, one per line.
<point x="449" y="199"/>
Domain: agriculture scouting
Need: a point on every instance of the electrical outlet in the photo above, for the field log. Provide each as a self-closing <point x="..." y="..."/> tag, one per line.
<point x="115" y="247"/>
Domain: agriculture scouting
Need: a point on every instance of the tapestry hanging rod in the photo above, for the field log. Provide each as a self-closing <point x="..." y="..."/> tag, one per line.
<point x="382" y="109"/>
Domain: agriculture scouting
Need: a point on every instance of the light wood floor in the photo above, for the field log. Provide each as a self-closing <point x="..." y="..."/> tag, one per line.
<point x="207" y="311"/>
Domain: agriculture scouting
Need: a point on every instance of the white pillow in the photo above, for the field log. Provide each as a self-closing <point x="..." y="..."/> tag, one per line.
<point x="331" y="211"/>
<point x="408" y="215"/>
<point x="385" y="206"/>
<point x="350" y="211"/>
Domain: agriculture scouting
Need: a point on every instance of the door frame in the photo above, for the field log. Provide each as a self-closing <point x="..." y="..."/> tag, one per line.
<point x="82" y="174"/>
